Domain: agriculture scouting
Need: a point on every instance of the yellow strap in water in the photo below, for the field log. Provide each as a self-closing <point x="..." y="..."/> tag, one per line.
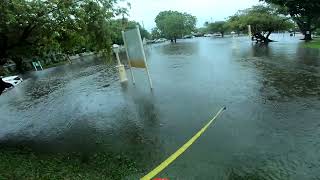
<point x="175" y="155"/>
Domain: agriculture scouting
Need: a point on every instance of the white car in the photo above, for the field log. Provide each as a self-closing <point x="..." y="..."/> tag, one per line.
<point x="208" y="35"/>
<point x="161" y="40"/>
<point x="14" y="80"/>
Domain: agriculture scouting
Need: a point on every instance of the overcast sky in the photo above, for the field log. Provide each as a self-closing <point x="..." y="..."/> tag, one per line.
<point x="205" y="10"/>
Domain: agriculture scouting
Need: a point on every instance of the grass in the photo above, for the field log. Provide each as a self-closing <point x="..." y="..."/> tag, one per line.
<point x="25" y="164"/>
<point x="313" y="44"/>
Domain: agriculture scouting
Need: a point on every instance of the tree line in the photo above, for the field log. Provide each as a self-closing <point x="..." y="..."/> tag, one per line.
<point x="263" y="21"/>
<point x="277" y="15"/>
<point x="42" y="28"/>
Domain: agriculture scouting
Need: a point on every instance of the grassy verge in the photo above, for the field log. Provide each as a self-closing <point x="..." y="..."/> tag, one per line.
<point x="24" y="164"/>
<point x="313" y="44"/>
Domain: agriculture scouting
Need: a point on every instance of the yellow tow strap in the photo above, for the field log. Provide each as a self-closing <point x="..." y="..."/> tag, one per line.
<point x="175" y="155"/>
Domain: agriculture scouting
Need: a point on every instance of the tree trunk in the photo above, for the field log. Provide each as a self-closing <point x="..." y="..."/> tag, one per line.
<point x="261" y="38"/>
<point x="305" y="28"/>
<point x="19" y="64"/>
<point x="307" y="35"/>
<point x="222" y="34"/>
<point x="267" y="37"/>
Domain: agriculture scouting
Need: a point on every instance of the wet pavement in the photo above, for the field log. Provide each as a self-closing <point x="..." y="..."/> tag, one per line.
<point x="271" y="127"/>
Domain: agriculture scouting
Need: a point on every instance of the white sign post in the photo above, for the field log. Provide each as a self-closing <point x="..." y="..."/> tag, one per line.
<point x="122" y="71"/>
<point x="249" y="31"/>
<point x="135" y="51"/>
<point x="37" y="64"/>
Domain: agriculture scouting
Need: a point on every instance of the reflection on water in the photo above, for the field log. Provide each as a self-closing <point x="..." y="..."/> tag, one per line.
<point x="182" y="48"/>
<point x="307" y="57"/>
<point x="270" y="129"/>
<point x="286" y="75"/>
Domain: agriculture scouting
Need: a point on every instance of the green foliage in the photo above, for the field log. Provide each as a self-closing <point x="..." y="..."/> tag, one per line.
<point x="118" y="25"/>
<point x="234" y="22"/>
<point x="144" y="33"/>
<point x="263" y="20"/>
<point x="313" y="44"/>
<point x="173" y="24"/>
<point x="35" y="27"/>
<point x="218" y="27"/>
<point x="304" y="12"/>
<point x="155" y="33"/>
<point x="202" y="30"/>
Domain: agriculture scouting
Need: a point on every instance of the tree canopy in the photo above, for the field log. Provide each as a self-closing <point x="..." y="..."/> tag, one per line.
<point x="234" y="23"/>
<point x="218" y="27"/>
<point x="36" y="27"/>
<point x="174" y="24"/>
<point x="155" y="33"/>
<point x="118" y="25"/>
<point x="306" y="13"/>
<point x="263" y="20"/>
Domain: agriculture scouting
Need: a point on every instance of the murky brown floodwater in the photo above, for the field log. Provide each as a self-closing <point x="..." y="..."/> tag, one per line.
<point x="271" y="127"/>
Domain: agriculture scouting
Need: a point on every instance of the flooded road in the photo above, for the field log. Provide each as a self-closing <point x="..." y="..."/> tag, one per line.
<point x="271" y="128"/>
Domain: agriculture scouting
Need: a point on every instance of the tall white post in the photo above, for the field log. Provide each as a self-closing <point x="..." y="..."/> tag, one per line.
<point x="69" y="59"/>
<point x="249" y="31"/>
<point x="125" y="44"/>
<point x="40" y="65"/>
<point x="121" y="69"/>
<point x="144" y="58"/>
<point x="35" y="67"/>
<point x="118" y="58"/>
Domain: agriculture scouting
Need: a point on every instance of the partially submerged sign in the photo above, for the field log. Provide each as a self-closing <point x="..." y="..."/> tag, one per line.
<point x="135" y="51"/>
<point x="37" y="64"/>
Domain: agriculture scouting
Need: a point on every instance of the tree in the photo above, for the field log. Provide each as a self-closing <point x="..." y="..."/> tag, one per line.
<point x="118" y="25"/>
<point x="236" y="25"/>
<point x="144" y="33"/>
<point x="263" y="20"/>
<point x="174" y="24"/>
<point x="202" y="30"/>
<point x="36" y="27"/>
<point x="155" y="33"/>
<point x="218" y="27"/>
<point x="306" y="13"/>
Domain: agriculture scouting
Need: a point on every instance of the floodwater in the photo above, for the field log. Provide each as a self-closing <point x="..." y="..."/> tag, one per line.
<point x="271" y="127"/>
